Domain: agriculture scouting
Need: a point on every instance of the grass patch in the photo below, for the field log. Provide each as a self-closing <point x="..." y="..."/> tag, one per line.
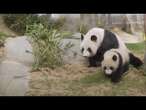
<point x="89" y="84"/>
<point x="98" y="77"/>
<point x="131" y="84"/>
<point x="137" y="47"/>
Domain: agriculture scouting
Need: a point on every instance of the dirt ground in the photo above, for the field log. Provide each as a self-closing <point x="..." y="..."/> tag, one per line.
<point x="78" y="80"/>
<point x="58" y="81"/>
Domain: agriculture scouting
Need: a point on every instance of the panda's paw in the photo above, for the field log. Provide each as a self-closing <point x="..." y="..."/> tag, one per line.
<point x="107" y="76"/>
<point x="98" y="64"/>
<point x="114" y="80"/>
<point x="89" y="66"/>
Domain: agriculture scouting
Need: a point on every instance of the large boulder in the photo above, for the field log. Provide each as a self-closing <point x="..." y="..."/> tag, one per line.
<point x="73" y="55"/>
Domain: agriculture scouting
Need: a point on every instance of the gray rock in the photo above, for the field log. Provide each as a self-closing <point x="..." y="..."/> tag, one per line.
<point x="73" y="54"/>
<point x="19" y="49"/>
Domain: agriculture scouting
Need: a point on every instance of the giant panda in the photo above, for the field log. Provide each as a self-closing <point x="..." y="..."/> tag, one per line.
<point x="116" y="62"/>
<point x="96" y="42"/>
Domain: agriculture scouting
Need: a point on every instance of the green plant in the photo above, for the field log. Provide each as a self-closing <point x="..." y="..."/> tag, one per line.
<point x="100" y="24"/>
<point x="46" y="45"/>
<point x="82" y="28"/>
<point x="18" y="22"/>
<point x="3" y="36"/>
<point x="136" y="47"/>
<point x="58" y="24"/>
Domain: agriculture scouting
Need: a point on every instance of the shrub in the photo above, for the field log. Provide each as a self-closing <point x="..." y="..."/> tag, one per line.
<point x="18" y="22"/>
<point x="46" y="45"/>
<point x="58" y="24"/>
<point x="100" y="24"/>
<point x="3" y="36"/>
<point x="82" y="28"/>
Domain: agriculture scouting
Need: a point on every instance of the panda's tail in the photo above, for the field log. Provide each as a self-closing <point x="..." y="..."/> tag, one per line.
<point x="135" y="61"/>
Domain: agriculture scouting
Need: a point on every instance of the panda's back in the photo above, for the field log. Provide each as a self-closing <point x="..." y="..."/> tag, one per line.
<point x="121" y="43"/>
<point x="124" y="54"/>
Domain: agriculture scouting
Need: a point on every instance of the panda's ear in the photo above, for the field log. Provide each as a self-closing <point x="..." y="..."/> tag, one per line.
<point x="93" y="38"/>
<point x="114" y="58"/>
<point x="82" y="37"/>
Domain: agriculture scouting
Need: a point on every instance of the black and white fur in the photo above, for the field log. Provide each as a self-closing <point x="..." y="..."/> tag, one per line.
<point x="96" y="42"/>
<point x="116" y="62"/>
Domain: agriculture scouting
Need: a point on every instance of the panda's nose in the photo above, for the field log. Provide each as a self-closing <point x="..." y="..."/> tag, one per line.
<point x="85" y="56"/>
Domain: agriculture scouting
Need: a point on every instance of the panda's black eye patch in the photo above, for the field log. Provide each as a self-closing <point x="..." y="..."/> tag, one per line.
<point x="111" y="68"/>
<point x="89" y="50"/>
<point x="104" y="68"/>
<point x="93" y="38"/>
<point x="82" y="50"/>
<point x="114" y="58"/>
<point x="82" y="36"/>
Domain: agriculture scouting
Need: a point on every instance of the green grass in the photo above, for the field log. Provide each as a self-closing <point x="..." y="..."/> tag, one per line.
<point x="137" y="47"/>
<point x="93" y="79"/>
<point x="131" y="84"/>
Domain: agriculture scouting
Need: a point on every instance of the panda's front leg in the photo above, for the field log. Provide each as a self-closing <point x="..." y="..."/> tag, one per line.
<point x="115" y="78"/>
<point x="93" y="62"/>
<point x="117" y="75"/>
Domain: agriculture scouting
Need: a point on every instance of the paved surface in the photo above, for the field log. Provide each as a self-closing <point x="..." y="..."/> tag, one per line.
<point x="14" y="69"/>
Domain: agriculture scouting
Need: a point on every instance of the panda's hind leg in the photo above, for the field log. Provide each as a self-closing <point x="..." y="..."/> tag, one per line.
<point x="135" y="61"/>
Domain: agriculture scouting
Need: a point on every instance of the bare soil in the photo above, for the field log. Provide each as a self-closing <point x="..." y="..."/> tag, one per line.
<point x="78" y="80"/>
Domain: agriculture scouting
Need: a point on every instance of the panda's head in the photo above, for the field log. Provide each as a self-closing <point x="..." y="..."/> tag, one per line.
<point x="91" y="42"/>
<point x="110" y="62"/>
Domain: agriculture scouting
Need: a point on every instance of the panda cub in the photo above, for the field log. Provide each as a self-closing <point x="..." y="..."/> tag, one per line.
<point x="96" y="42"/>
<point x="116" y="62"/>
